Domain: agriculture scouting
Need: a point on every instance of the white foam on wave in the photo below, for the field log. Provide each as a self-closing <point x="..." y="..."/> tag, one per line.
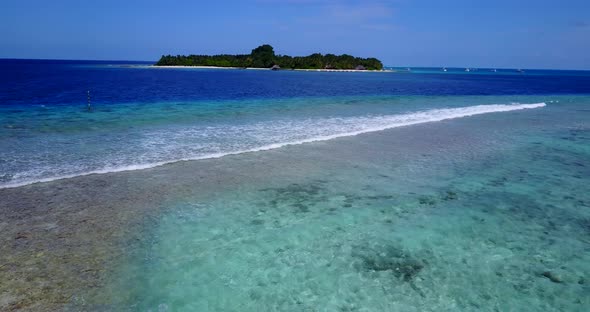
<point x="319" y="129"/>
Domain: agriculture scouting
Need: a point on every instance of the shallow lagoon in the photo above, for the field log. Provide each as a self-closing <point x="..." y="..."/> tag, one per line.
<point x="482" y="228"/>
<point x="482" y="213"/>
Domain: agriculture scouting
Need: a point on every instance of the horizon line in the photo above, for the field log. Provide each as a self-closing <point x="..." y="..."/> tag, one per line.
<point x="398" y="66"/>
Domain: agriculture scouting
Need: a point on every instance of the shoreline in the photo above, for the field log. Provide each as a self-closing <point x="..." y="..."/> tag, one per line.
<point x="258" y="68"/>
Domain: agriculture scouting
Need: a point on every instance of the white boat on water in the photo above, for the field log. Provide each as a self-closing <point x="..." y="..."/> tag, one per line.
<point x="467" y="69"/>
<point x="444" y="69"/>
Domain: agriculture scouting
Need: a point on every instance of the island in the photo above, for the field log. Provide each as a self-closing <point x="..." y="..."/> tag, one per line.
<point x="265" y="57"/>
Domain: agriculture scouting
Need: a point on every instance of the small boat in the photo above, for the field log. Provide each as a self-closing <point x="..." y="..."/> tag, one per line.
<point x="467" y="69"/>
<point x="494" y="70"/>
<point x="444" y="69"/>
<point x="520" y="70"/>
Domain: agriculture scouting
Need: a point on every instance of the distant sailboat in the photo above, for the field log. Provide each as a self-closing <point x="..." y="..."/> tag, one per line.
<point x="444" y="69"/>
<point x="467" y="69"/>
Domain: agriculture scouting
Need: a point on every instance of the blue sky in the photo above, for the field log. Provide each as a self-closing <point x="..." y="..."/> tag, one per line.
<point x="514" y="34"/>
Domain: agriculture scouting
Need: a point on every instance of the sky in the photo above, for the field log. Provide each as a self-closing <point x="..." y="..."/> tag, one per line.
<point x="462" y="33"/>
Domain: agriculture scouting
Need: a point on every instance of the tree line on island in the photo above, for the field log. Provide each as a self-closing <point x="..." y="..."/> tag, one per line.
<point x="265" y="57"/>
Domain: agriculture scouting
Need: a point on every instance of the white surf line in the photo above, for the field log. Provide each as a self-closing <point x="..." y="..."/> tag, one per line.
<point x="396" y="121"/>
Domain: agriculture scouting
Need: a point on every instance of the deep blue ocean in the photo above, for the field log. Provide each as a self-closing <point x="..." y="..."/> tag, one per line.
<point x="126" y="187"/>
<point x="46" y="82"/>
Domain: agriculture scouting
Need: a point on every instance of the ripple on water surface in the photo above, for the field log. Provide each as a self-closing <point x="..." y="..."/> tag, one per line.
<point x="504" y="231"/>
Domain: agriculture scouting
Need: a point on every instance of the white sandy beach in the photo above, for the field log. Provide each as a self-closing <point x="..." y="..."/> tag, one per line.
<point x="257" y="68"/>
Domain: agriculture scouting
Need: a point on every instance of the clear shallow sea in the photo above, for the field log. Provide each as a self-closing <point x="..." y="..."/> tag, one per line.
<point x="456" y="192"/>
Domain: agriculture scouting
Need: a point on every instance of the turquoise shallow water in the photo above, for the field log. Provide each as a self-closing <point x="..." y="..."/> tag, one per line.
<point x="487" y="213"/>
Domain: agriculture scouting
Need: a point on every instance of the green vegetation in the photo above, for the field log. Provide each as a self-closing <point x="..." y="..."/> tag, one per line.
<point x="264" y="57"/>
